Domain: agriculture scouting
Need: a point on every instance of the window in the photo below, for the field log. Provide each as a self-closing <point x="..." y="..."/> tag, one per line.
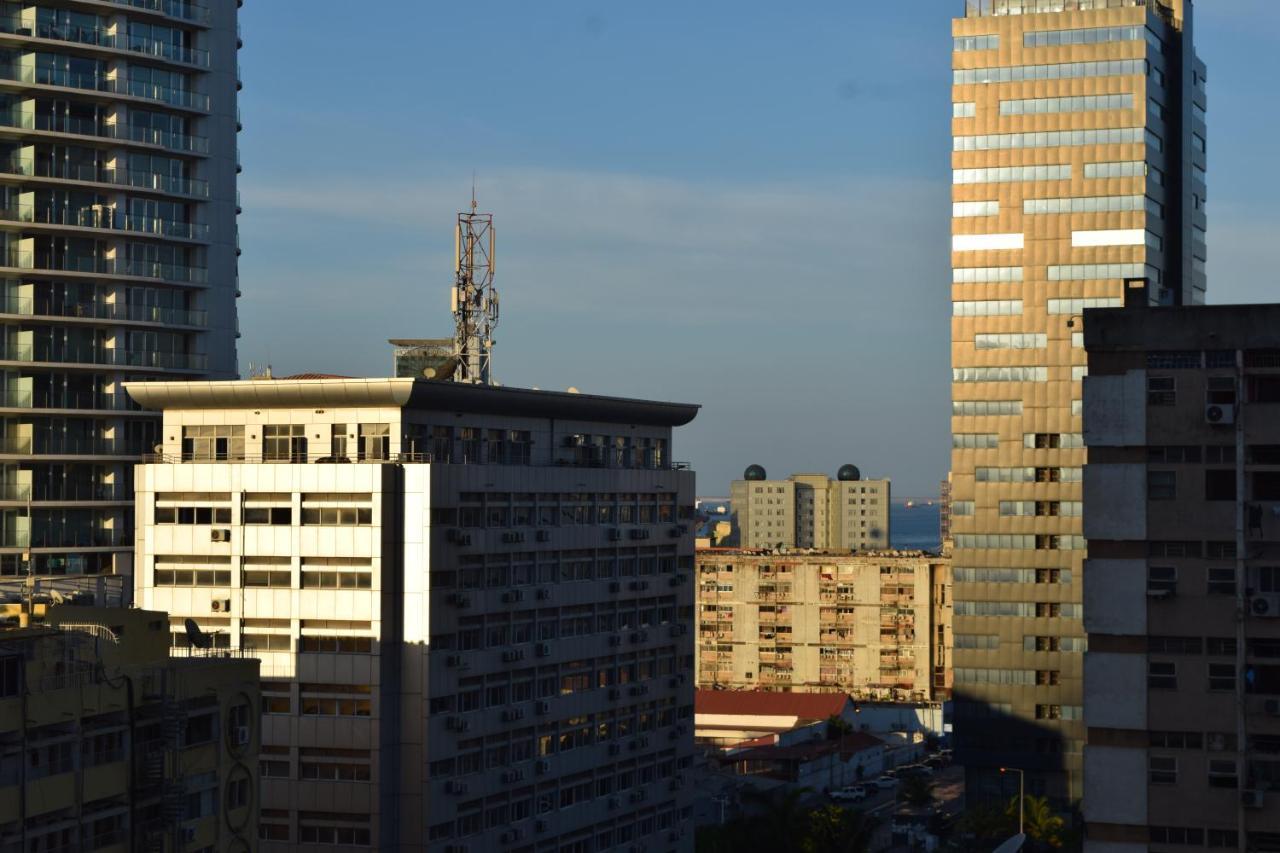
<point x="280" y="515"/>
<point x="1162" y="485"/>
<point x="987" y="308"/>
<point x="980" y="275"/>
<point x="1098" y="272"/>
<point x="1162" y="675"/>
<point x="1162" y="579"/>
<point x="1008" y="174"/>
<point x="967" y="43"/>
<point x="1161" y="391"/>
<point x="1079" y="103"/>
<point x="1222" y="676"/>
<point x="1098" y="204"/>
<point x="1011" y="341"/>
<point x="338" y="442"/>
<point x="975" y="441"/>
<point x="1060" y="71"/>
<point x="1222" y="773"/>
<point x="1077" y="306"/>
<point x="212" y="442"/>
<point x="1266" y="486"/>
<point x="1090" y="35"/>
<point x="986" y="407"/>
<point x="1121" y="169"/>
<point x="374" y="441"/>
<point x="284" y="443"/>
<point x="1174" y="645"/>
<point x="1000" y="374"/>
<point x="1049" y="139"/>
<point x="1176" y="835"/>
<point x="1162" y="770"/>
<point x="965" y="109"/>
<point x="1219" y="484"/>
<point x="1221" y="581"/>
<point x="986" y="242"/>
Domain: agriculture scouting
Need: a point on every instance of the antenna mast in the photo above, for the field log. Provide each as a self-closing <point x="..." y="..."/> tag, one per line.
<point x="475" y="302"/>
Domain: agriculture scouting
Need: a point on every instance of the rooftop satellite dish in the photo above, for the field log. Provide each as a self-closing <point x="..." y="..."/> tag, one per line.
<point x="199" y="639"/>
<point x="56" y="597"/>
<point x="572" y="390"/>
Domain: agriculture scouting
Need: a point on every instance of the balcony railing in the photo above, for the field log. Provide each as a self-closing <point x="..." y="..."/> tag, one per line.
<point x="104" y="37"/>
<point x="64" y="538"/>
<point x="104" y="266"/>
<point x="183" y="9"/>
<point x="382" y="459"/>
<point x="111" y="85"/>
<point x="64" y="492"/>
<point x="113" y="311"/>
<point x="103" y="355"/>
<point x="66" y="446"/>
<point x="90" y="172"/>
<point x="24" y="120"/>
<point x="36" y="398"/>
<point x="101" y="216"/>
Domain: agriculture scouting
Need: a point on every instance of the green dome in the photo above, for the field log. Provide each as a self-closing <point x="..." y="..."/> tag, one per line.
<point x="848" y="473"/>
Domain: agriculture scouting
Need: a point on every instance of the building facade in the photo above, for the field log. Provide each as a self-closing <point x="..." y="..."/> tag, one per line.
<point x="472" y="619"/>
<point x="875" y="625"/>
<point x="1182" y="595"/>
<point x="1078" y="161"/>
<point x="118" y="245"/>
<point x="810" y="511"/>
<point x="109" y="744"/>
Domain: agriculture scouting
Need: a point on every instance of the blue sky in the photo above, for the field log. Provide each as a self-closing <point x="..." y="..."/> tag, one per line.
<point x="743" y="205"/>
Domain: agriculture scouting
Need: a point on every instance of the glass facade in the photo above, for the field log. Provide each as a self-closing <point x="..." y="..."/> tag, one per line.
<point x="1117" y="111"/>
<point x="118" y="236"/>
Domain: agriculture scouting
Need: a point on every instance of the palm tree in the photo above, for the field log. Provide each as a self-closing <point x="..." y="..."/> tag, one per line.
<point x="916" y="791"/>
<point x="1043" y="827"/>
<point x="836" y="830"/>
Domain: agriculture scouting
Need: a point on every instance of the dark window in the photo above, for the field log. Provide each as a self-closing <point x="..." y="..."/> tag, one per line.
<point x="1175" y="645"/>
<point x="1264" y="454"/>
<point x="1266" y="485"/>
<point x="1161" y="391"/>
<point x="1220" y="484"/>
<point x="1221" y="581"/>
<point x="1264" y="389"/>
<point x="1162" y="485"/>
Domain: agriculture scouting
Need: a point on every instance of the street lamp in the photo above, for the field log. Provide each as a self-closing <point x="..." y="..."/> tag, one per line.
<point x="1022" y="778"/>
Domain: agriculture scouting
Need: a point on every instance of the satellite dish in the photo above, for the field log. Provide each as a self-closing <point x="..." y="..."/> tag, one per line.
<point x="56" y="597"/>
<point x="199" y="639"/>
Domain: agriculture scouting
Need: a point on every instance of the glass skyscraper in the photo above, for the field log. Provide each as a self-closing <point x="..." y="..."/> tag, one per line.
<point x="1078" y="162"/>
<point x="118" y="252"/>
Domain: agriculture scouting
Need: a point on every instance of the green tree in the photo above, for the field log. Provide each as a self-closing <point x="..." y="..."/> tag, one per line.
<point x="835" y="830"/>
<point x="781" y="822"/>
<point x="837" y="728"/>
<point x="1045" y="829"/>
<point x="987" y="822"/>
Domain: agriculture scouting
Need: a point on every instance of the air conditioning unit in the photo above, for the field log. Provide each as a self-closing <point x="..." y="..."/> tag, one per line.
<point x="242" y="736"/>
<point x="1253" y="799"/>
<point x="542" y="706"/>
<point x="220" y="534"/>
<point x="221" y="605"/>
<point x="542" y="767"/>
<point x="1219" y="414"/>
<point x="1265" y="605"/>
<point x="455" y="786"/>
<point x="542" y="650"/>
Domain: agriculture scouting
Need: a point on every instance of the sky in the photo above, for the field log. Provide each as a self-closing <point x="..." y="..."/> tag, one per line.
<point x="742" y="205"/>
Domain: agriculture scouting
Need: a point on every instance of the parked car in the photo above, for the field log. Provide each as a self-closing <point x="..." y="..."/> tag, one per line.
<point x="885" y="783"/>
<point x="937" y="762"/>
<point x="852" y="794"/>
<point x="912" y="770"/>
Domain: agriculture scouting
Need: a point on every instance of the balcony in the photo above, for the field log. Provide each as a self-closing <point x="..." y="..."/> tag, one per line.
<point x="56" y="354"/>
<point x="65" y="446"/>
<point x="39" y="261"/>
<point x="92" y="173"/>
<point x="111" y="311"/>
<point x="64" y="492"/>
<point x="97" y="401"/>
<point x="57" y="539"/>
<point x="62" y="78"/>
<point x="103" y="217"/>
<point x="105" y="38"/>
<point x="183" y="10"/>
<point x="22" y="120"/>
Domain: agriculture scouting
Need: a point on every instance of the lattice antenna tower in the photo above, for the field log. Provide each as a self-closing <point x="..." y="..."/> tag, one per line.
<point x="475" y="302"/>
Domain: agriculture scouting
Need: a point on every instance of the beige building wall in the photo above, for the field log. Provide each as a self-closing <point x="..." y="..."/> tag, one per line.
<point x="875" y="625"/>
<point x="811" y="511"/>
<point x="1078" y="161"/>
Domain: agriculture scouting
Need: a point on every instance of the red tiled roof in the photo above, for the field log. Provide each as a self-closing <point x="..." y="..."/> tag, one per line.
<point x="751" y="703"/>
<point x="316" y="376"/>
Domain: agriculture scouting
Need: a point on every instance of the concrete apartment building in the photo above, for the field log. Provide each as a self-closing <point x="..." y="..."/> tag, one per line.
<point x="810" y="511"/>
<point x="1078" y="161"/>
<point x="109" y="744"/>
<point x="876" y="625"/>
<point x="1182" y="592"/>
<point x="118" y="250"/>
<point x="470" y="604"/>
